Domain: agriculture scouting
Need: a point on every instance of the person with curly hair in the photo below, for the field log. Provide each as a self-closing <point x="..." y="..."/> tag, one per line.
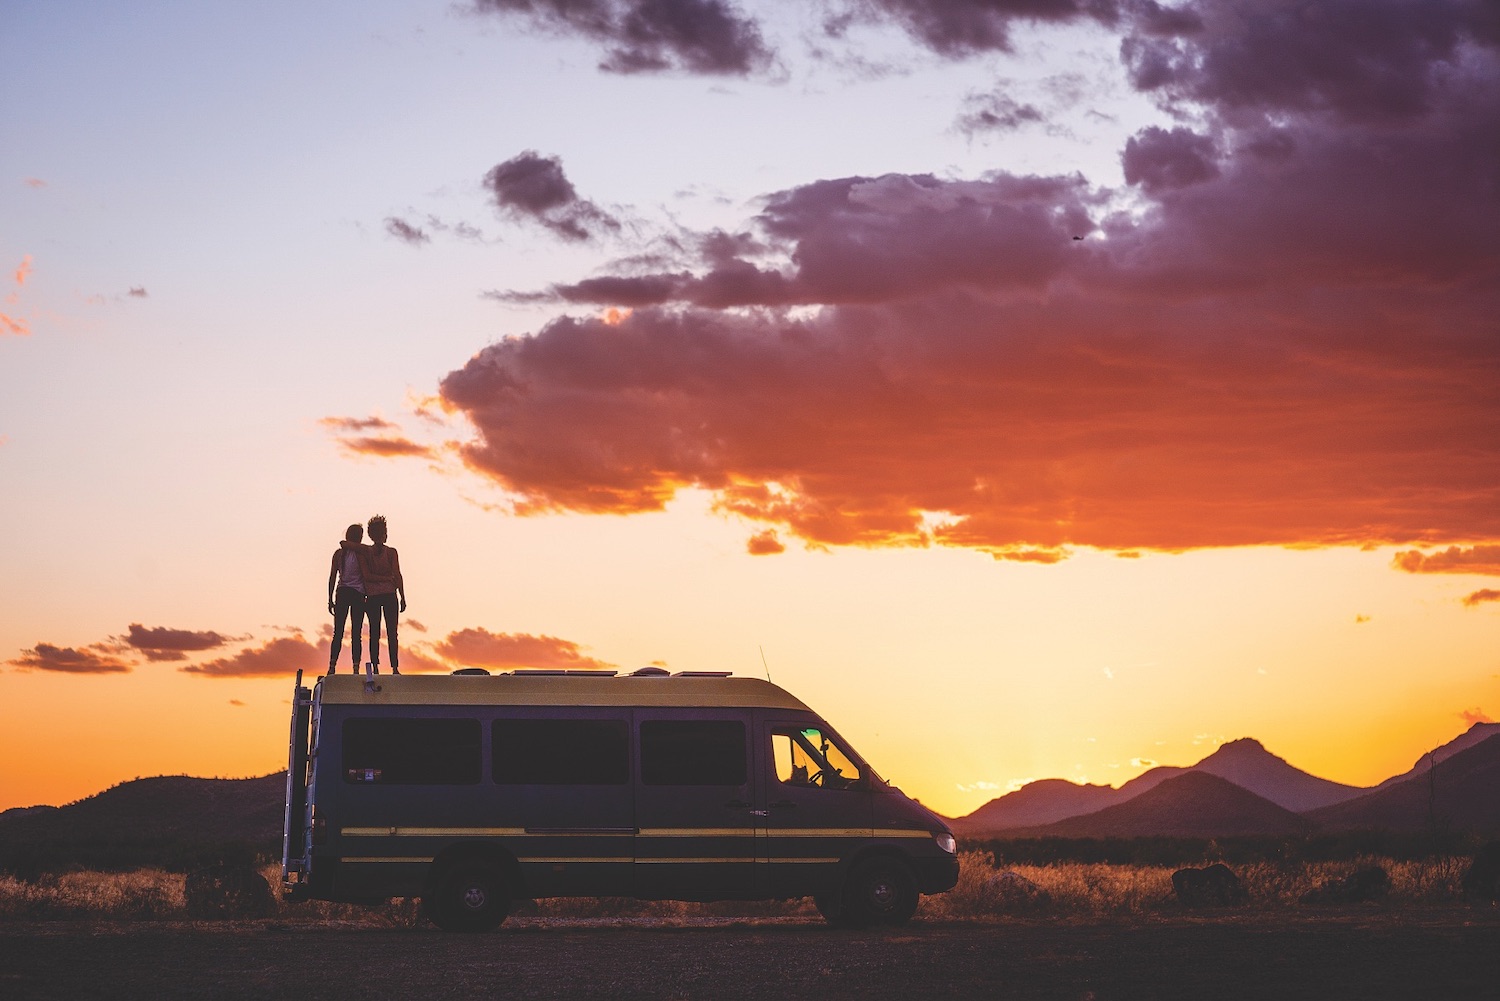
<point x="380" y="566"/>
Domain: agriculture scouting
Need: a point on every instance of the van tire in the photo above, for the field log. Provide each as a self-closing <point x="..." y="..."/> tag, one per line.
<point x="879" y="891"/>
<point x="468" y="895"/>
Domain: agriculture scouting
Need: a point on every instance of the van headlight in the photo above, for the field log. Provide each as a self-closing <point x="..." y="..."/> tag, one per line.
<point x="946" y="843"/>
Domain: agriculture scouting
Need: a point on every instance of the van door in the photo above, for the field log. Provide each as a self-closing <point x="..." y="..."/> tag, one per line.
<point x="696" y="837"/>
<point x="562" y="790"/>
<point x="818" y="805"/>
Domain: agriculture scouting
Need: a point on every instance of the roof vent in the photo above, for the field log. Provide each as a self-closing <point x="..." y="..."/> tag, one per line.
<point x="650" y="672"/>
<point x="468" y="672"/>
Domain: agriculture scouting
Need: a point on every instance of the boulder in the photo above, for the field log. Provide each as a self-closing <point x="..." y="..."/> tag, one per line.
<point x="1368" y="883"/>
<point x="228" y="891"/>
<point x="1213" y="886"/>
<point x="1482" y="881"/>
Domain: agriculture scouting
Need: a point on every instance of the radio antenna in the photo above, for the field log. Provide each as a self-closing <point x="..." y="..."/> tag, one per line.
<point x="763" y="660"/>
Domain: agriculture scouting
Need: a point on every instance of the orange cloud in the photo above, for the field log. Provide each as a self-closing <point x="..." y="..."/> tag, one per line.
<point x="1480" y="597"/>
<point x="765" y="544"/>
<point x="482" y="648"/>
<point x="385" y="446"/>
<point x="278" y="658"/>
<point x="1070" y="429"/>
<point x="1454" y="559"/>
<point x="66" y="660"/>
<point x="163" y="639"/>
<point x="349" y="424"/>
<point x="1475" y="715"/>
<point x="12" y="324"/>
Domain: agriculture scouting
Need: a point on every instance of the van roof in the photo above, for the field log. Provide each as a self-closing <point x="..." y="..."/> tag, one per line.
<point x="575" y="689"/>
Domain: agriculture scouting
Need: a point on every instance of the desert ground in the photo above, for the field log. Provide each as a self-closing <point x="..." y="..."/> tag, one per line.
<point x="1368" y="955"/>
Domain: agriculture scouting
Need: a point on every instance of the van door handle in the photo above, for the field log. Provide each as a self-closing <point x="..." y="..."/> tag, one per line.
<point x="736" y="804"/>
<point x="785" y="804"/>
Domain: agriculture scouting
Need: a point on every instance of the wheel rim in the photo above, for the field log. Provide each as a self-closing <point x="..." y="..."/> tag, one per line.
<point x="474" y="898"/>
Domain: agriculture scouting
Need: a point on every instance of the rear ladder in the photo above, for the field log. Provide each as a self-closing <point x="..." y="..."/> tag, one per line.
<point x="294" y="825"/>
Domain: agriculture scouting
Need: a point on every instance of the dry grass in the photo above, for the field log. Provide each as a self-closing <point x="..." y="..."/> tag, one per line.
<point x="1088" y="889"/>
<point x="143" y="894"/>
<point x="1068" y="889"/>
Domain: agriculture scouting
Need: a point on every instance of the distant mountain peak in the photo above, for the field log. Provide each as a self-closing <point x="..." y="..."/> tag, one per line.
<point x="1245" y="745"/>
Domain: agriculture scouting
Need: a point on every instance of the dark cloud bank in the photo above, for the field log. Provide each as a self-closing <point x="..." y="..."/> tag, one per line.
<point x="646" y="36"/>
<point x="1289" y="338"/>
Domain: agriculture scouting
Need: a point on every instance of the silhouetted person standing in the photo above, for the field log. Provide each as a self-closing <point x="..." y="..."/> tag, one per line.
<point x="348" y="602"/>
<point x="380" y="566"/>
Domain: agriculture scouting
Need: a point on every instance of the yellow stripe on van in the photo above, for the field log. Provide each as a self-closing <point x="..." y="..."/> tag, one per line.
<point x="428" y="832"/>
<point x="697" y="832"/>
<point x="814" y="861"/>
<point x="902" y="832"/>
<point x="819" y="832"/>
<point x="550" y="860"/>
<point x="736" y="858"/>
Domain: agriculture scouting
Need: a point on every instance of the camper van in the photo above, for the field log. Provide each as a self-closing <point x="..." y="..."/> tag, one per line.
<point x="473" y="790"/>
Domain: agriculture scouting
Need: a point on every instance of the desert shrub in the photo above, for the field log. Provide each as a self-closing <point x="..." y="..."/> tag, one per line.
<point x="1069" y="888"/>
<point x="146" y="894"/>
<point x="1346" y="846"/>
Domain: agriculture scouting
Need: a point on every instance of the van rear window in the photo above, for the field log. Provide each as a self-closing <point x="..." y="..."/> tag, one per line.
<point x="693" y="752"/>
<point x="561" y="752"/>
<point x="412" y="751"/>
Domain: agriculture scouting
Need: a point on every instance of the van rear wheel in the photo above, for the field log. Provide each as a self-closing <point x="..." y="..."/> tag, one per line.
<point x="467" y="896"/>
<point x="880" y="891"/>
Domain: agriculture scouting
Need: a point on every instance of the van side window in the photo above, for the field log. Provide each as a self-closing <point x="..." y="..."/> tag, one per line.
<point x="412" y="751"/>
<point x="561" y="751"/>
<point x="693" y="753"/>
<point x="808" y="757"/>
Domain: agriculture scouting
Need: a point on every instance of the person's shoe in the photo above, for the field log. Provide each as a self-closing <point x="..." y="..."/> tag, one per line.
<point x="395" y="669"/>
<point x="374" y="667"/>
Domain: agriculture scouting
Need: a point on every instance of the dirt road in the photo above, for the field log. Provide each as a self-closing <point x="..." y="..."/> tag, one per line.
<point x="1455" y="956"/>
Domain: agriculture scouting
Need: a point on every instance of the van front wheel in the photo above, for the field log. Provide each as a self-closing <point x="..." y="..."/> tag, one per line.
<point x="467" y="896"/>
<point x="880" y="891"/>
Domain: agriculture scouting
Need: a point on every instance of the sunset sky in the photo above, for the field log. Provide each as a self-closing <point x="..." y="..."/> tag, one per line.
<point x="1043" y="388"/>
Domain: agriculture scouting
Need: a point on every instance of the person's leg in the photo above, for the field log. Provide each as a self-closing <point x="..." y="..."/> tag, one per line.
<point x="357" y="614"/>
<point x="372" y="612"/>
<point x="392" y="616"/>
<point x="340" y="609"/>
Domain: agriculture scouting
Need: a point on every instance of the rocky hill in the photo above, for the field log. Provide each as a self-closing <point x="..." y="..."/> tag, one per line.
<point x="1191" y="805"/>
<point x="173" y="821"/>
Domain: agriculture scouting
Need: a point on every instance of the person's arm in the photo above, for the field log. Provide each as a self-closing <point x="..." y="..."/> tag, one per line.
<point x="333" y="573"/>
<point x="400" y="584"/>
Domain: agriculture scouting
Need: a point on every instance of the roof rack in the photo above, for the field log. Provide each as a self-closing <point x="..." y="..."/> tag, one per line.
<point x="702" y="674"/>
